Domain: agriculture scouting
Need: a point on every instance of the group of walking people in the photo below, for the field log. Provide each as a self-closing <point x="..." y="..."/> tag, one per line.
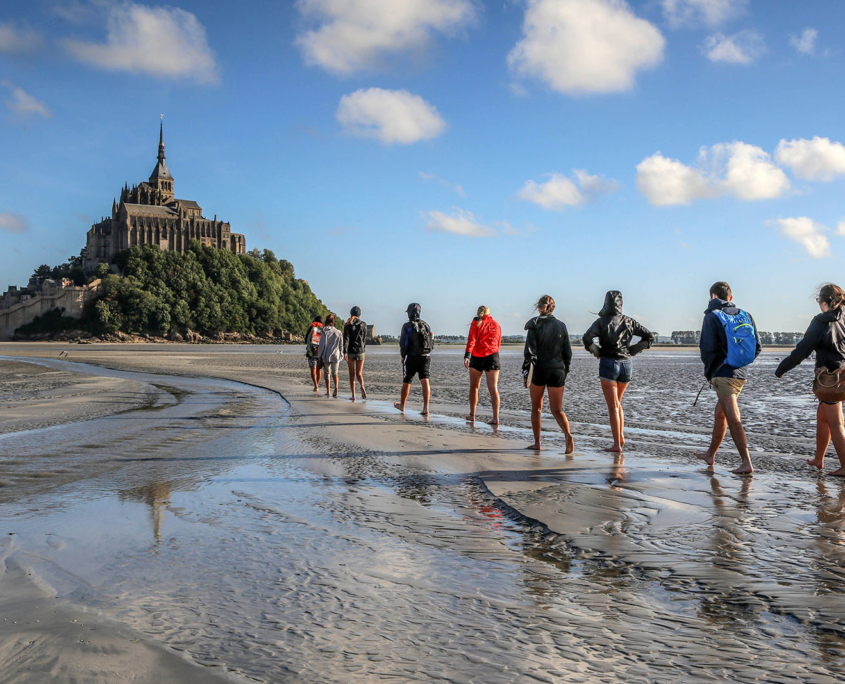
<point x="729" y="343"/>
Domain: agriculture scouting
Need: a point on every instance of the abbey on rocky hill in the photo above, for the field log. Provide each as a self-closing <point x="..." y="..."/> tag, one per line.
<point x="150" y="214"/>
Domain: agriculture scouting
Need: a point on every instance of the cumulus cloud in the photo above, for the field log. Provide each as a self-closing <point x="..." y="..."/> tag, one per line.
<point x="807" y="233"/>
<point x="165" y="42"/>
<point x="710" y="12"/>
<point x="816" y="159"/>
<point x="840" y="228"/>
<point x="24" y="104"/>
<point x="459" y="222"/>
<point x="805" y="44"/>
<point x="12" y="222"/>
<point x="737" y="169"/>
<point x="392" y="116"/>
<point x="585" y="46"/>
<point x="356" y="34"/>
<point x="559" y="192"/>
<point x="740" y="48"/>
<point x="14" y="39"/>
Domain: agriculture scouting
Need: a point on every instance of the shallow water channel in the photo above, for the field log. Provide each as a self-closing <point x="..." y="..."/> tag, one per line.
<point x="209" y="521"/>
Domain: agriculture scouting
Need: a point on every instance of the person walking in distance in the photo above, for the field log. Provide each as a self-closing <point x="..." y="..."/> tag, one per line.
<point x="548" y="356"/>
<point x="330" y="353"/>
<point x="312" y="342"/>
<point x="482" y="358"/>
<point x="826" y="337"/>
<point x="415" y="345"/>
<point x="354" y="346"/>
<point x="729" y="343"/>
<point x="614" y="350"/>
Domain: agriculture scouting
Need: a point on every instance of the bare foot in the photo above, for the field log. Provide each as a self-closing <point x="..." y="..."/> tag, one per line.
<point x="352" y="398"/>
<point x="328" y="394"/>
<point x="335" y="394"/>
<point x="493" y="422"/>
<point x="744" y="470"/>
<point x="363" y="393"/>
<point x="614" y="449"/>
<point x="570" y="445"/>
<point x="705" y="456"/>
<point x="316" y="389"/>
<point x="397" y="406"/>
<point x="839" y="472"/>
<point x="534" y="447"/>
<point x="469" y="418"/>
<point x="424" y="412"/>
<point x="816" y="463"/>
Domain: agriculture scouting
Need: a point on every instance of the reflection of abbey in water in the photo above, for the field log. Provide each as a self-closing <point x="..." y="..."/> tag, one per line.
<point x="150" y="214"/>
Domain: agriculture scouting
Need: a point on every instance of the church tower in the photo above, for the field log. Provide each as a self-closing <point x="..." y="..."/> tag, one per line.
<point x="160" y="179"/>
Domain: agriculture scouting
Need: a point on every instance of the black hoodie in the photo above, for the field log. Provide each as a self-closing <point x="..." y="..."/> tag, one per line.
<point x="826" y="337"/>
<point x="615" y="331"/>
<point x="547" y="344"/>
<point x="355" y="337"/>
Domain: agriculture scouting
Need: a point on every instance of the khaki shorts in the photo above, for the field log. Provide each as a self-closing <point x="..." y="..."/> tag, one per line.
<point x="727" y="387"/>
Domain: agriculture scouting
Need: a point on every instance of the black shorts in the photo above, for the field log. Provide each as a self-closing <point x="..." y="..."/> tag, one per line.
<point x="549" y="377"/>
<point x="485" y="363"/>
<point x="416" y="365"/>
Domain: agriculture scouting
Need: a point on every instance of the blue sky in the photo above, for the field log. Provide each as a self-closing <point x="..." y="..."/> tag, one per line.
<point x="450" y="152"/>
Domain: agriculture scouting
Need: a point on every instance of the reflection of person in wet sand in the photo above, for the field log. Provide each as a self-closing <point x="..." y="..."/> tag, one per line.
<point x="728" y="380"/>
<point x="548" y="355"/>
<point x="826" y="337"/>
<point x="614" y="351"/>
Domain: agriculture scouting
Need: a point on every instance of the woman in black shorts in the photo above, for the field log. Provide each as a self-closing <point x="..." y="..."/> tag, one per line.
<point x="826" y="337"/>
<point x="482" y="357"/>
<point x="547" y="358"/>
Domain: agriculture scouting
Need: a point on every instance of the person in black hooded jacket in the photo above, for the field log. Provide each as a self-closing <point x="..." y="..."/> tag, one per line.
<point x="826" y="337"/>
<point x="354" y="347"/>
<point x="548" y="356"/>
<point x="614" y="350"/>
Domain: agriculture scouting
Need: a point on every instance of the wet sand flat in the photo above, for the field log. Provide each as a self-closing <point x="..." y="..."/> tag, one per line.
<point x="319" y="540"/>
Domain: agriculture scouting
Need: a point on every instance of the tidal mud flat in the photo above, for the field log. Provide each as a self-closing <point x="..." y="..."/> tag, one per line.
<point x="311" y="539"/>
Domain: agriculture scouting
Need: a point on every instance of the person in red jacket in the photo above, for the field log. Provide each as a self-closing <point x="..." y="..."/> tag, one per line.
<point x="482" y="358"/>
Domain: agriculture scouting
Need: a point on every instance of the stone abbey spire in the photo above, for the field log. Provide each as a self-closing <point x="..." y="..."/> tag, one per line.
<point x="160" y="178"/>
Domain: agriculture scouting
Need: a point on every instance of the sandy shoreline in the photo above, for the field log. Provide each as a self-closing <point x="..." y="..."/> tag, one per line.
<point x="724" y="543"/>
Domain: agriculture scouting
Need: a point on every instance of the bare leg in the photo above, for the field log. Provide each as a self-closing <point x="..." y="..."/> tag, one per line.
<point x="359" y="372"/>
<point x="406" y="390"/>
<point x="620" y="390"/>
<point x="315" y="378"/>
<point x="351" y="364"/>
<point x="426" y="389"/>
<point x="556" y="407"/>
<point x="833" y="416"/>
<point x="334" y="394"/>
<point x="732" y="415"/>
<point x="720" y="429"/>
<point x="474" y="384"/>
<point x="537" y="393"/>
<point x="493" y="388"/>
<point x="328" y="384"/>
<point x="822" y="438"/>
<point x="611" y="398"/>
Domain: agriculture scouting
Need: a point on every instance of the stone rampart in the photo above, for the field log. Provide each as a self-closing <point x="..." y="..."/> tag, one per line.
<point x="69" y="300"/>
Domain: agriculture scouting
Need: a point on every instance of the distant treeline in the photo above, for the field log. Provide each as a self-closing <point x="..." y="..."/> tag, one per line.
<point x="692" y="337"/>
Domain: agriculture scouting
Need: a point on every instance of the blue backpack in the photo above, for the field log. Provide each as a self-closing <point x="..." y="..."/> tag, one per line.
<point x="742" y="342"/>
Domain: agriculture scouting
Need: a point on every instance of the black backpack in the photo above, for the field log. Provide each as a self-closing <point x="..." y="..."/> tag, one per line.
<point x="422" y="341"/>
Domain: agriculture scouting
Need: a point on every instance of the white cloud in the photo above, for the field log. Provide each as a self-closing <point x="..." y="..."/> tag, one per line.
<point x="165" y="42"/>
<point x="808" y="233"/>
<point x="392" y="116"/>
<point x="13" y="39"/>
<point x="737" y="169"/>
<point x="357" y="34"/>
<point x="840" y="228"/>
<point x="460" y="222"/>
<point x="23" y="103"/>
<point x="560" y="192"/>
<point x="442" y="181"/>
<point x="710" y="12"/>
<point x="740" y="48"/>
<point x="12" y="222"/>
<point x="585" y="46"/>
<point x="805" y="44"/>
<point x="816" y="159"/>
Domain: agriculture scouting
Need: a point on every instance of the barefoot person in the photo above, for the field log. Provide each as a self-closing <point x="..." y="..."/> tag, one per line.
<point x="726" y="358"/>
<point x="614" y="351"/>
<point x="547" y="358"/>
<point x="354" y="345"/>
<point x="330" y="352"/>
<point x="415" y="345"/>
<point x="826" y="337"/>
<point x="312" y="341"/>
<point x="482" y="358"/>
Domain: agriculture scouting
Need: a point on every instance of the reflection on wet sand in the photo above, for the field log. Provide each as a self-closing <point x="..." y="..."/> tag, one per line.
<point x="156" y="495"/>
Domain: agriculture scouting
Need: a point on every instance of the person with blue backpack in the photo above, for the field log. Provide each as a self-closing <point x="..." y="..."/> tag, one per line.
<point x="729" y="343"/>
<point x="415" y="345"/>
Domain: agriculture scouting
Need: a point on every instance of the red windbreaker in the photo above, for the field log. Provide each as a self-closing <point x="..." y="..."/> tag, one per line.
<point x="484" y="339"/>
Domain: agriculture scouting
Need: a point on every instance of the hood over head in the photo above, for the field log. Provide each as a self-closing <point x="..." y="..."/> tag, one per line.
<point x="413" y="311"/>
<point x="355" y="311"/>
<point x="612" y="304"/>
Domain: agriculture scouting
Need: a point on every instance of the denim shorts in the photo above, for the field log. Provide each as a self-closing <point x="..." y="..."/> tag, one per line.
<point x="615" y="370"/>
